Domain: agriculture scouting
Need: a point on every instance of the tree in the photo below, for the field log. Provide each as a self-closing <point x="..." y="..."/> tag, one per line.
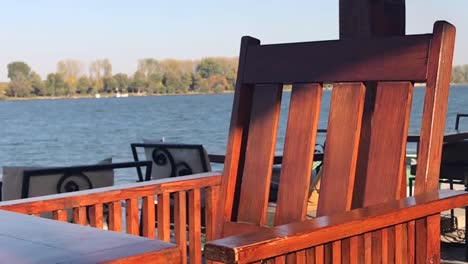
<point x="71" y="71"/>
<point x="209" y="67"/>
<point x="20" y="86"/>
<point x="38" y="86"/>
<point x="83" y="85"/>
<point x="122" y="82"/>
<point x="138" y="82"/>
<point x="18" y="69"/>
<point x="110" y="85"/>
<point x="98" y="70"/>
<point x="55" y="84"/>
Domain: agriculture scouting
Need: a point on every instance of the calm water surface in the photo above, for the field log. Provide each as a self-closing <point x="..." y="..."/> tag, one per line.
<point x="84" y="131"/>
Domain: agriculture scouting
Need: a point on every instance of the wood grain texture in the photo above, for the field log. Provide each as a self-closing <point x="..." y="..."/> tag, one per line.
<point x="435" y="107"/>
<point x="235" y="149"/>
<point x="111" y="194"/>
<point x="79" y="215"/>
<point x="131" y="216"/>
<point x="336" y="187"/>
<point x="194" y="226"/>
<point x="115" y="216"/>
<point x="259" y="154"/>
<point x="26" y="239"/>
<point x="180" y="222"/>
<point x="96" y="215"/>
<point x="387" y="146"/>
<point x="212" y="199"/>
<point x="164" y="214"/>
<point x="298" y="154"/>
<point x="148" y="214"/>
<point x="279" y="240"/>
<point x="60" y="215"/>
<point x="350" y="60"/>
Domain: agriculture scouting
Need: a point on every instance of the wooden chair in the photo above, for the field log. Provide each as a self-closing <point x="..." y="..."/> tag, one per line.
<point x="364" y="163"/>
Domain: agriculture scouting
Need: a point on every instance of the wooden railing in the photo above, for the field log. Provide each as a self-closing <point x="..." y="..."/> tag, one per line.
<point x="387" y="233"/>
<point x="178" y="214"/>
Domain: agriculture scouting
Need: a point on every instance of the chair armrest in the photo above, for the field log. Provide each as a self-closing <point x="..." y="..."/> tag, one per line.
<point x="254" y="246"/>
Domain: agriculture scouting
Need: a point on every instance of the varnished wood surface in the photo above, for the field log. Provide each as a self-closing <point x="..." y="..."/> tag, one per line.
<point x="351" y="60"/>
<point x="279" y="240"/>
<point x="111" y="194"/>
<point x="28" y="239"/>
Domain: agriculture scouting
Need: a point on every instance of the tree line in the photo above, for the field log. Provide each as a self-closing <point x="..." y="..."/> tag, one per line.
<point x="170" y="76"/>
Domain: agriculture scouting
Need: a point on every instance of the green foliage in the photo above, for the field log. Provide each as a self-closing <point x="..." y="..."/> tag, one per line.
<point x="38" y="86"/>
<point x="18" y="70"/>
<point x="20" y="86"/>
<point x="170" y="76"/>
<point x="84" y="85"/>
<point x="122" y="82"/>
<point x="460" y="74"/>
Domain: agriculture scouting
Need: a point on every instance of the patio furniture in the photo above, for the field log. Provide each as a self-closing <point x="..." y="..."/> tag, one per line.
<point x="172" y="160"/>
<point x="359" y="171"/>
<point x="24" y="182"/>
<point x="25" y="239"/>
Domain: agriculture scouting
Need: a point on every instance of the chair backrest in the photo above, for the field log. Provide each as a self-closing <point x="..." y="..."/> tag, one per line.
<point x="367" y="127"/>
<point x="25" y="182"/>
<point x="172" y="160"/>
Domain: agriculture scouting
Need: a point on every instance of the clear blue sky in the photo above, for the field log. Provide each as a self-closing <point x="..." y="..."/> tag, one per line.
<point x="42" y="32"/>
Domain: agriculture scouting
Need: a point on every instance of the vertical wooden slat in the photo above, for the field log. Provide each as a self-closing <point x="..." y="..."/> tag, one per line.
<point x="79" y="215"/>
<point x="95" y="216"/>
<point x="420" y="241"/>
<point x="401" y="244"/>
<point x="298" y="154"/>
<point x="411" y="242"/>
<point x="354" y="250"/>
<point x="310" y="256"/>
<point x="345" y="250"/>
<point x="432" y="131"/>
<point x="60" y="215"/>
<point x="236" y="143"/>
<point x="435" y="108"/>
<point x="164" y="215"/>
<point x="148" y="215"/>
<point x="131" y="213"/>
<point x="376" y="246"/>
<point x="259" y="154"/>
<point x="319" y="254"/>
<point x="384" y="245"/>
<point x="194" y="226"/>
<point x="433" y="239"/>
<point x="368" y="248"/>
<point x="344" y="123"/>
<point x="336" y="249"/>
<point x="391" y="244"/>
<point x="296" y="257"/>
<point x="180" y="222"/>
<point x="280" y="260"/>
<point x="115" y="216"/>
<point x="386" y="157"/>
<point x="212" y="197"/>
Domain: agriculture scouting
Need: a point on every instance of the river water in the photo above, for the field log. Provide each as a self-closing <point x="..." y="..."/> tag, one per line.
<point x="84" y="131"/>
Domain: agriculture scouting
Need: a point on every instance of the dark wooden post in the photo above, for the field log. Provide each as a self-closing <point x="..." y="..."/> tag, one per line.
<point x="368" y="18"/>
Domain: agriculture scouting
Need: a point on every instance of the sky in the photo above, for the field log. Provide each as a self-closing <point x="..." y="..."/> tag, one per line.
<point x="42" y="32"/>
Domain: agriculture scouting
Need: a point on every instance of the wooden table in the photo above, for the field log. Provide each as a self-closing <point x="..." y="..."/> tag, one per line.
<point x="29" y="239"/>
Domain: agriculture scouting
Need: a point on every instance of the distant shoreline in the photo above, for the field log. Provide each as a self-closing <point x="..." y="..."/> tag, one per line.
<point x="32" y="98"/>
